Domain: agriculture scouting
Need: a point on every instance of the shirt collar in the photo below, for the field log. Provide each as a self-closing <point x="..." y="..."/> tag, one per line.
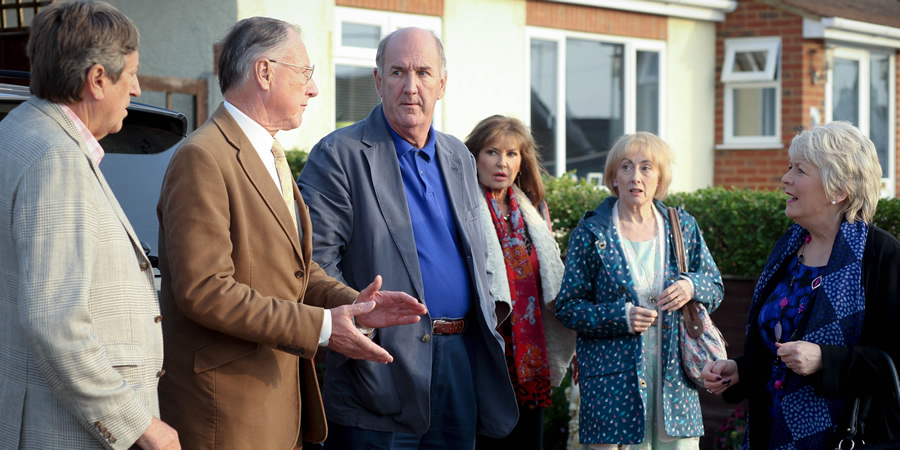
<point x="403" y="146"/>
<point x="260" y="138"/>
<point x="93" y="146"/>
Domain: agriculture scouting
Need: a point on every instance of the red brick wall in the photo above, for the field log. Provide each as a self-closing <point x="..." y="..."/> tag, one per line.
<point x="424" y="7"/>
<point x="762" y="169"/>
<point x="595" y="20"/>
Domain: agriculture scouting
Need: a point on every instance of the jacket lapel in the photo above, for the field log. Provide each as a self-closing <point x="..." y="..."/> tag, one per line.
<point x="258" y="176"/>
<point x="59" y="115"/>
<point x="387" y="184"/>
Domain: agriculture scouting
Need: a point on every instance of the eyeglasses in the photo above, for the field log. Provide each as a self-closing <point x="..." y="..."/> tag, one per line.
<point x="310" y="70"/>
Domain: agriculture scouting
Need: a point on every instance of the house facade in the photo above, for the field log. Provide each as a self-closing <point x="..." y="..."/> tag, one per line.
<point x="580" y="73"/>
<point x="787" y="65"/>
<point x="726" y="83"/>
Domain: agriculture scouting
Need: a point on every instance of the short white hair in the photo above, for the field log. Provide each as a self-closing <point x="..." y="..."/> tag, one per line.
<point x="848" y="164"/>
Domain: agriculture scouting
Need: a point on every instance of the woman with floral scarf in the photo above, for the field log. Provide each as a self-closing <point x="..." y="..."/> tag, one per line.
<point x="524" y="260"/>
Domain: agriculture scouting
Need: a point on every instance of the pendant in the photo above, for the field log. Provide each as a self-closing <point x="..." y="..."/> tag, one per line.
<point x="651" y="299"/>
<point x="778" y="332"/>
<point x="817" y="282"/>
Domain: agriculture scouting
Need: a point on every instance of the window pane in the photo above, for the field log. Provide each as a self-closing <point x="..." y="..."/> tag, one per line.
<point x="879" y="102"/>
<point x="647" y="92"/>
<point x="754" y="112"/>
<point x="544" y="86"/>
<point x="750" y="61"/>
<point x="845" y="90"/>
<point x="359" y="35"/>
<point x="594" y="106"/>
<point x="355" y="94"/>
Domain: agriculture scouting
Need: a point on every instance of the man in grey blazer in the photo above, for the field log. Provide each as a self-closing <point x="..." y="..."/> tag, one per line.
<point x="80" y="339"/>
<point x="392" y="196"/>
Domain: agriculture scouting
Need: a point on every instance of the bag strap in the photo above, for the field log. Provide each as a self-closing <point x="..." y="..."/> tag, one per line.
<point x="678" y="239"/>
<point x="692" y="319"/>
<point x="860" y="408"/>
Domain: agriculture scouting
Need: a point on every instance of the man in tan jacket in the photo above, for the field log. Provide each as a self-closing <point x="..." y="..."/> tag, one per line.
<point x="245" y="307"/>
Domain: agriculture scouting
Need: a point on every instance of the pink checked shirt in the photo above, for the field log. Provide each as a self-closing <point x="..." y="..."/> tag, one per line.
<point x="94" y="148"/>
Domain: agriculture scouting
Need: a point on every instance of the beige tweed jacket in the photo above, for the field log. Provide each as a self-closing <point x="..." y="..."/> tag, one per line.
<point x="80" y="339"/>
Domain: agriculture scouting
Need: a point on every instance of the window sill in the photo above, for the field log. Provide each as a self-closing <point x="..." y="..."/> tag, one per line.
<point x="752" y="146"/>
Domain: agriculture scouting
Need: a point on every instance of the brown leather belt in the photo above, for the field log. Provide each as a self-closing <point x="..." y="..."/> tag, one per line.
<point x="444" y="326"/>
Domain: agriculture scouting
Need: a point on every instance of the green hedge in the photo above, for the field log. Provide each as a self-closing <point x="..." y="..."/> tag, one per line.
<point x="740" y="226"/>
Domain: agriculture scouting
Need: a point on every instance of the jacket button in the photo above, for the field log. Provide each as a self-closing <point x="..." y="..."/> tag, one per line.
<point x="158" y="319"/>
<point x="426" y="337"/>
<point x="145" y="265"/>
<point x="299" y="273"/>
<point x="643" y="384"/>
<point x="622" y="289"/>
<point x="160" y="373"/>
<point x="601" y="245"/>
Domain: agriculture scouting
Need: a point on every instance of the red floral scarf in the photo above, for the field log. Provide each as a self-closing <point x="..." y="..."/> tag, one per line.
<point x="527" y="354"/>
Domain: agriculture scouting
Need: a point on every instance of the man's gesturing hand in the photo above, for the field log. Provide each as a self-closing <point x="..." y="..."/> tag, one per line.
<point x="373" y="309"/>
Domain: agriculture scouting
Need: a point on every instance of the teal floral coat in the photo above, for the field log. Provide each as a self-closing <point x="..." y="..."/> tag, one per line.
<point x="612" y="375"/>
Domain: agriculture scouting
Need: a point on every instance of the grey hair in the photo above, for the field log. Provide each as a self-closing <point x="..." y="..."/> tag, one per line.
<point x="379" y="54"/>
<point x="67" y="39"/>
<point x="848" y="164"/>
<point x="246" y="42"/>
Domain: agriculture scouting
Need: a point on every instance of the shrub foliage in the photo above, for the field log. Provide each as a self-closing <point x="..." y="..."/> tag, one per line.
<point x="740" y="226"/>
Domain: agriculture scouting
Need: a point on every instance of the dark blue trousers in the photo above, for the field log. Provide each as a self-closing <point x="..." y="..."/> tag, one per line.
<point x="454" y="409"/>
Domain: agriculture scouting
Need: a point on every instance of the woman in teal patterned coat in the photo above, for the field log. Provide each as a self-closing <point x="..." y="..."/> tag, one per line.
<point x="621" y="292"/>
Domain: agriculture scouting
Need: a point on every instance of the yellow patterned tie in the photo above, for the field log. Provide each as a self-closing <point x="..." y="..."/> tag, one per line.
<point x="284" y="175"/>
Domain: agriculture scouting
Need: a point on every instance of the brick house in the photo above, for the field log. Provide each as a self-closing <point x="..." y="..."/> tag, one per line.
<point x="785" y="65"/>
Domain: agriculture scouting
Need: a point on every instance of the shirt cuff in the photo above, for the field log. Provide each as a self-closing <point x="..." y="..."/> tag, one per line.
<point x="690" y="282"/>
<point x="325" y="334"/>
<point x="628" y="306"/>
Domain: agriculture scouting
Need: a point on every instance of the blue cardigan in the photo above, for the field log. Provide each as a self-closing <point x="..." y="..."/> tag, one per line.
<point x="596" y="285"/>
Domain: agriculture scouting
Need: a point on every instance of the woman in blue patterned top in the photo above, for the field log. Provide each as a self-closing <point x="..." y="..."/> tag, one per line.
<point x="621" y="293"/>
<point x="826" y="301"/>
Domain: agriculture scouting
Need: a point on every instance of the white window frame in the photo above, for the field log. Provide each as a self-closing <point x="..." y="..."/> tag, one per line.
<point x="631" y="47"/>
<point x="863" y="57"/>
<point x="365" y="57"/>
<point x="770" y="45"/>
<point x="768" y="77"/>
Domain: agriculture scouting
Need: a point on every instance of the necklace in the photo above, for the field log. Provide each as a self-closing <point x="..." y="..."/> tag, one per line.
<point x="815" y="282"/>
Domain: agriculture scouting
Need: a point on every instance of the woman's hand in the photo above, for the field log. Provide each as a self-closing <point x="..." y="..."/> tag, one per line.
<point x="641" y="319"/>
<point x="676" y="296"/>
<point x="720" y="375"/>
<point x="804" y="358"/>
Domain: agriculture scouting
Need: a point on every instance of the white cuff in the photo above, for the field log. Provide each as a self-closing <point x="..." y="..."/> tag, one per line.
<point x="325" y="333"/>
<point x="628" y="306"/>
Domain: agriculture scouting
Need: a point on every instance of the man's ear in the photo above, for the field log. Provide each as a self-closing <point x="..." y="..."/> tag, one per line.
<point x="95" y="83"/>
<point x="262" y="73"/>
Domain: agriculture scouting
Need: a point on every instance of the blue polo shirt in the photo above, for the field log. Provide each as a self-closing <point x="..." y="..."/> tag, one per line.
<point x="443" y="267"/>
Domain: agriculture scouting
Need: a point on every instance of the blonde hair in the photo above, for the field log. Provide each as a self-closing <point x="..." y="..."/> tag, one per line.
<point x="848" y="164"/>
<point x="659" y="153"/>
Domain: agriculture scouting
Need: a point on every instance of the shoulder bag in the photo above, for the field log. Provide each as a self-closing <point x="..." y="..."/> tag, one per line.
<point x="700" y="340"/>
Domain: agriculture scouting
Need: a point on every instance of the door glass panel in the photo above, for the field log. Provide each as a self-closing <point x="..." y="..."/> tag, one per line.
<point x="544" y="87"/>
<point x="594" y="106"/>
<point x="845" y="90"/>
<point x="647" y="92"/>
<point x="879" y="113"/>
<point x="360" y="35"/>
<point x="355" y="94"/>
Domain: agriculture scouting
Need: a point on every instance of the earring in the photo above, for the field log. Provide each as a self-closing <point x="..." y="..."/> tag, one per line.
<point x="833" y="202"/>
<point x="615" y="184"/>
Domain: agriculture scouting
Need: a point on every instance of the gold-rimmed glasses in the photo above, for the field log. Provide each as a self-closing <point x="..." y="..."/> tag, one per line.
<point x="308" y="70"/>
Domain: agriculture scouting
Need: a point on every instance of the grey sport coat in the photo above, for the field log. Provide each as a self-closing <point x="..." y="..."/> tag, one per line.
<point x="362" y="228"/>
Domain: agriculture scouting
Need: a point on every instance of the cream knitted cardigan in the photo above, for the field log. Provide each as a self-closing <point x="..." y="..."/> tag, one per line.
<point x="560" y="341"/>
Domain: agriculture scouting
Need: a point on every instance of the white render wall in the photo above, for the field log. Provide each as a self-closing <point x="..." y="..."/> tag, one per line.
<point x="690" y="101"/>
<point x="487" y="72"/>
